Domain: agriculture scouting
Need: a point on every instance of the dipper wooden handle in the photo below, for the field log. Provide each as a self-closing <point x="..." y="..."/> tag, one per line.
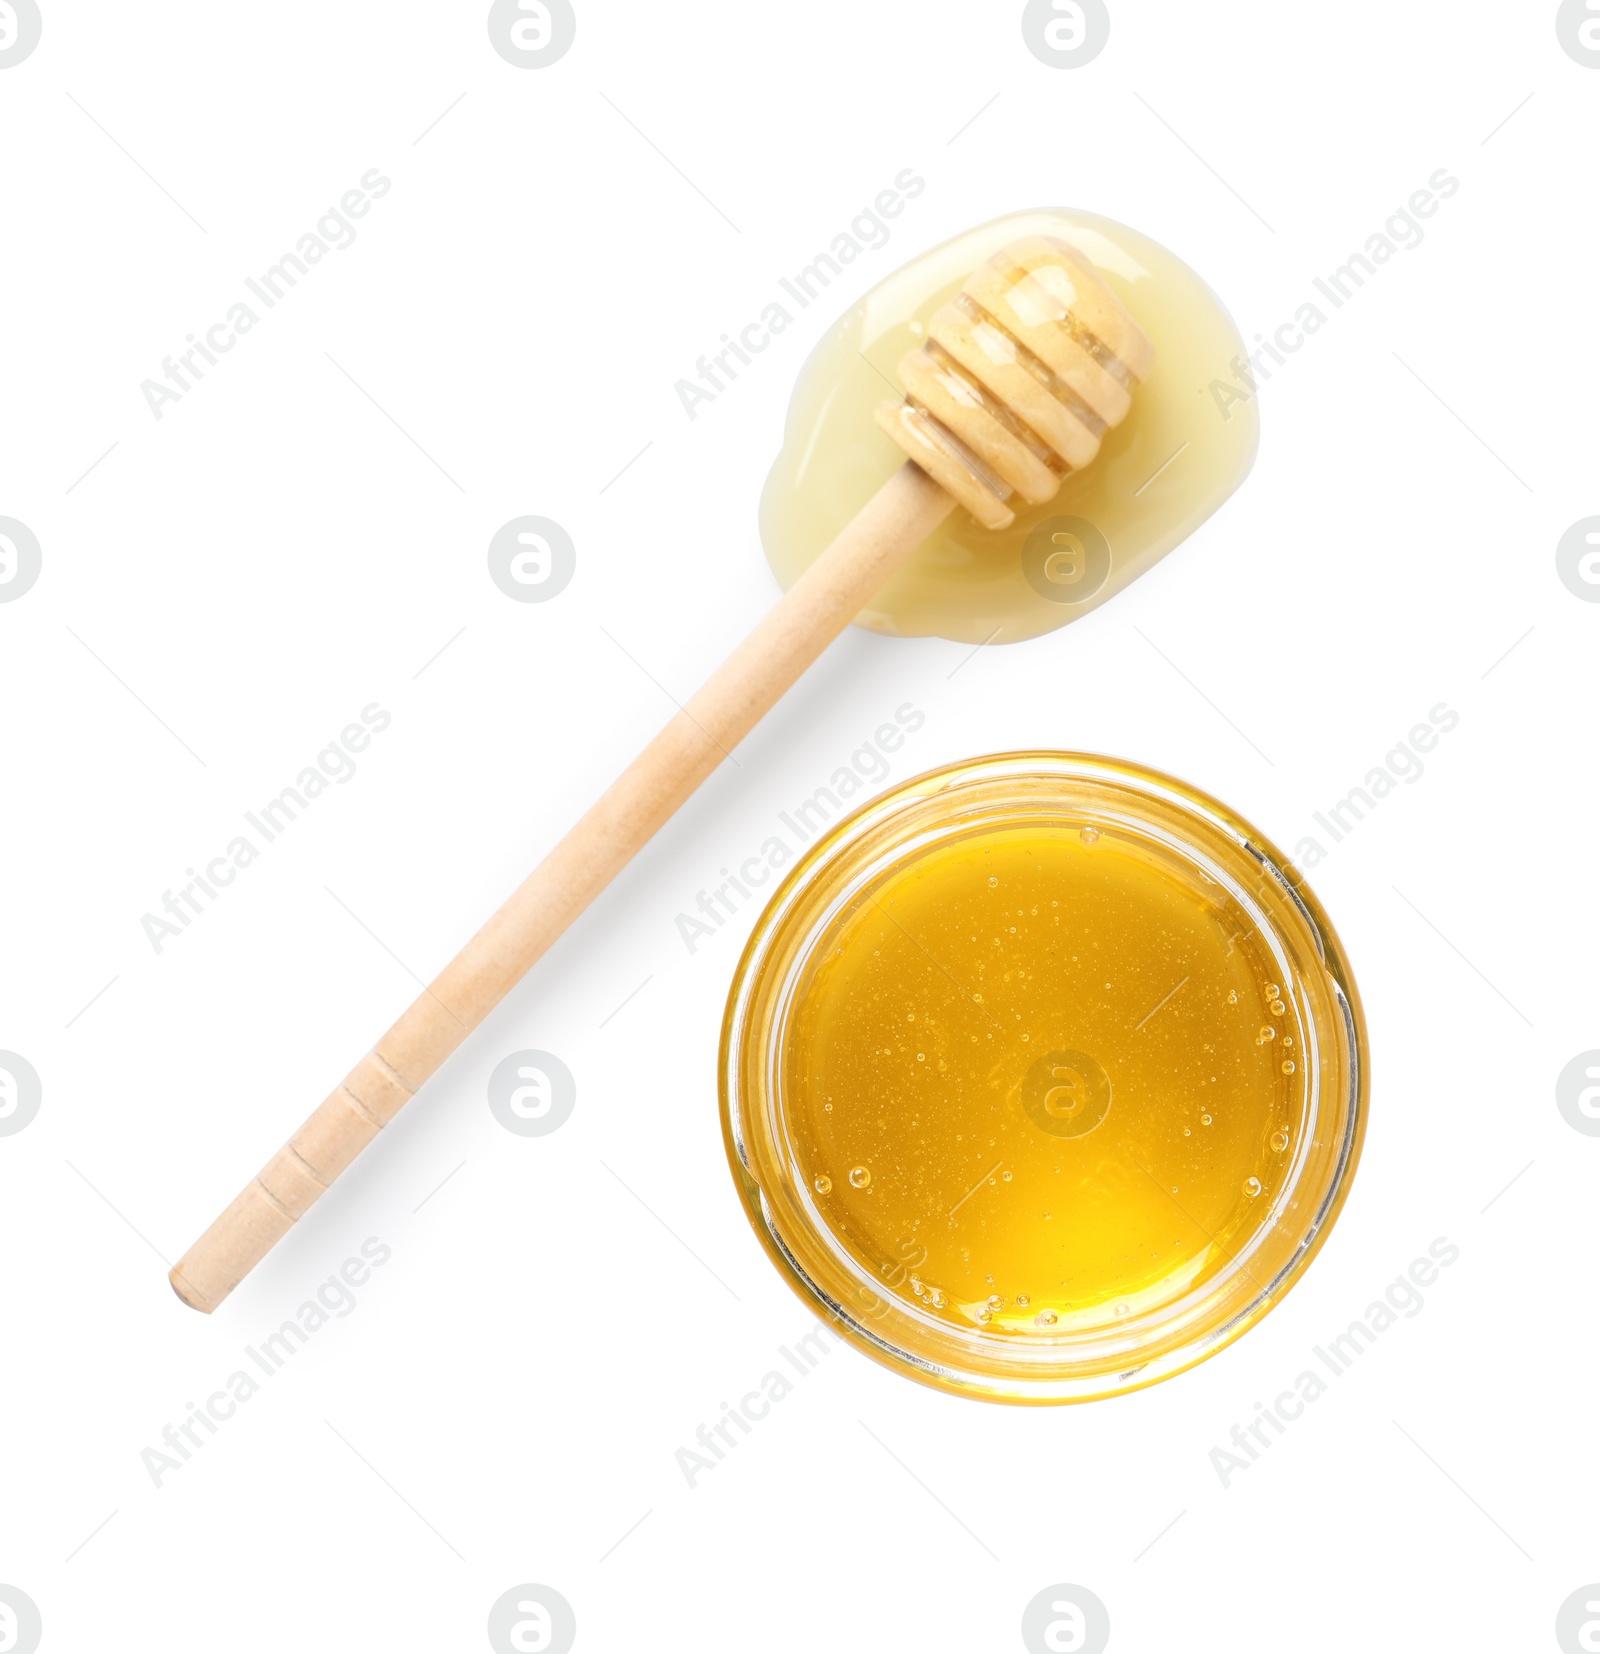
<point x="904" y="512"/>
<point x="1021" y="376"/>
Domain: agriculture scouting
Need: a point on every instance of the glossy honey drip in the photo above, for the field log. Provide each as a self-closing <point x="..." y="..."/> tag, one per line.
<point x="1132" y="490"/>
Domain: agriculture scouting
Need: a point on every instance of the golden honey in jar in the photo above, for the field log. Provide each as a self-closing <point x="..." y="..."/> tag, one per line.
<point x="1043" y="1077"/>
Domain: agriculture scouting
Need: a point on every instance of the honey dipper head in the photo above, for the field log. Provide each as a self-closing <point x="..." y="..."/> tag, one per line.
<point x="1022" y="375"/>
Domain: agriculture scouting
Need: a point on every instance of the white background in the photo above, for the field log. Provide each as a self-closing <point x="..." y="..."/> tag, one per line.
<point x="227" y="587"/>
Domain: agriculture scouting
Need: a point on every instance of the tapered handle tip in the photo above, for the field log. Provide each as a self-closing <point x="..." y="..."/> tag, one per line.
<point x="245" y="1233"/>
<point x="188" y="1293"/>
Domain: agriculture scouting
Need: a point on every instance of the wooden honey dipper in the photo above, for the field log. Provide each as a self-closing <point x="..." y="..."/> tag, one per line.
<point x="1020" y="378"/>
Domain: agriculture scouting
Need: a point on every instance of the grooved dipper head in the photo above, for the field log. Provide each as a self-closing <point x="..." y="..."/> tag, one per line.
<point x="1022" y="375"/>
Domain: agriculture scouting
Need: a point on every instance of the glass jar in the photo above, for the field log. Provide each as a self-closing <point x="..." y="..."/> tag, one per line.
<point x="1043" y="1077"/>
